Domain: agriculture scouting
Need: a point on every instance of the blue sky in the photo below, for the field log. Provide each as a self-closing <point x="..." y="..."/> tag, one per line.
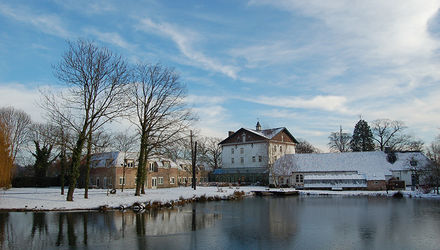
<point x="309" y="66"/>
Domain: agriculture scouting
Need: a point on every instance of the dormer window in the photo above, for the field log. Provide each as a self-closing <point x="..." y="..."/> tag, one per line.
<point x="413" y="163"/>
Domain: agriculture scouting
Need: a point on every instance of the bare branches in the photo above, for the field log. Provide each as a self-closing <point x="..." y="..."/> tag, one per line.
<point x="339" y="141"/>
<point x="96" y="81"/>
<point x="157" y="99"/>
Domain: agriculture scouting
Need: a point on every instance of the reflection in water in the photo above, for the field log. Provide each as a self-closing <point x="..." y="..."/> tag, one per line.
<point x="39" y="223"/>
<point x="255" y="223"/>
<point x="60" y="237"/>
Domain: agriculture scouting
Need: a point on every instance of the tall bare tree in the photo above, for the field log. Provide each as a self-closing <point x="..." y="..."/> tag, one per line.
<point x="95" y="78"/>
<point x="339" y="141"/>
<point x="17" y="124"/>
<point x="391" y="133"/>
<point x="157" y="97"/>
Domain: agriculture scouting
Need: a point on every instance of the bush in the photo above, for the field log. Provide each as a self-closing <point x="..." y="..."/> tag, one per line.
<point x="398" y="195"/>
<point x="36" y="182"/>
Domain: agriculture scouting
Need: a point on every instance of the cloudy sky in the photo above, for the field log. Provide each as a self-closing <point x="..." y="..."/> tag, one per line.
<point x="309" y="65"/>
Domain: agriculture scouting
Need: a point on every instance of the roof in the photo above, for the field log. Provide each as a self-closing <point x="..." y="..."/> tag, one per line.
<point x="268" y="134"/>
<point x="373" y="164"/>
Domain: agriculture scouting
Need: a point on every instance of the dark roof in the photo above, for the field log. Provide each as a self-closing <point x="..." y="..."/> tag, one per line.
<point x="268" y="134"/>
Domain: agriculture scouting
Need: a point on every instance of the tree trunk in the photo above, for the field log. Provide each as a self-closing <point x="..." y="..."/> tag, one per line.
<point x="74" y="166"/>
<point x="63" y="169"/>
<point x="88" y="157"/>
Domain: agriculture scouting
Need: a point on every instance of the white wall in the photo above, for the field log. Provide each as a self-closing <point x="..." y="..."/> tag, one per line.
<point x="249" y="150"/>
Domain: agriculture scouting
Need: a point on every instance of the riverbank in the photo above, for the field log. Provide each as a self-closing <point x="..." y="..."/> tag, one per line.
<point x="50" y="199"/>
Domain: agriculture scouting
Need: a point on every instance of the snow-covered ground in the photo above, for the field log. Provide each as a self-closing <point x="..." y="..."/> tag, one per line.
<point x="50" y="198"/>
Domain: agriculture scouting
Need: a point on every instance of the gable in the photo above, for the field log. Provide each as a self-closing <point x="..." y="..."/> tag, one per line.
<point x="284" y="136"/>
<point x="248" y="135"/>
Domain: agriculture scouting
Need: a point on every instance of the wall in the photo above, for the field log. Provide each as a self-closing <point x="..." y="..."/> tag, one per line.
<point x="249" y="150"/>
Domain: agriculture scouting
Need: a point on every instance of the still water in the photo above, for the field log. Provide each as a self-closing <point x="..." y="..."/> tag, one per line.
<point x="252" y="223"/>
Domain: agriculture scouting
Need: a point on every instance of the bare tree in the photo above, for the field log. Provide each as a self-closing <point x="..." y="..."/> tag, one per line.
<point x="162" y="118"/>
<point x="387" y="133"/>
<point x="432" y="170"/>
<point x="305" y="147"/>
<point x="124" y="142"/>
<point x="17" y="124"/>
<point x="339" y="141"/>
<point x="209" y="151"/>
<point x="96" y="79"/>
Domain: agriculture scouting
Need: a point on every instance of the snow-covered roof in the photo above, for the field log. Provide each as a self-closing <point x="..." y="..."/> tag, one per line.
<point x="266" y="133"/>
<point x="373" y="164"/>
<point x="335" y="177"/>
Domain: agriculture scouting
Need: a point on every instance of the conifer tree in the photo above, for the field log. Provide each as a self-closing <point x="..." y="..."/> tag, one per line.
<point x="362" y="139"/>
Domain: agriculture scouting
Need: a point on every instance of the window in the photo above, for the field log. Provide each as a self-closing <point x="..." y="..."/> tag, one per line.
<point x="242" y="160"/>
<point x="97" y="181"/>
<point x="244" y="137"/>
<point x="232" y="150"/>
<point x="413" y="163"/>
<point x="253" y="158"/>
<point x="151" y="167"/>
<point x="166" y="164"/>
<point x="281" y="149"/>
<point x="299" y="178"/>
<point x="260" y="158"/>
<point x="160" y="180"/>
<point x="241" y="150"/>
<point x="172" y="180"/>
<point x="121" y="181"/>
<point x="274" y="148"/>
<point x="232" y="160"/>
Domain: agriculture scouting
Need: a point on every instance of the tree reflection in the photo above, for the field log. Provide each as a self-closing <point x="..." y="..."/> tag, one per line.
<point x="71" y="237"/>
<point x="60" y="237"/>
<point x="38" y="223"/>
<point x="4" y="218"/>
<point x="85" y="219"/>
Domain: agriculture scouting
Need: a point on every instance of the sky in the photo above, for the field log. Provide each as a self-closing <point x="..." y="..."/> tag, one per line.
<point x="309" y="66"/>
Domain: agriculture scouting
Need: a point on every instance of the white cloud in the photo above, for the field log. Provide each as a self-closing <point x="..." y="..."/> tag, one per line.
<point x="110" y="37"/>
<point x="48" y="23"/>
<point x="185" y="39"/>
<point x="21" y="97"/>
<point x="328" y="103"/>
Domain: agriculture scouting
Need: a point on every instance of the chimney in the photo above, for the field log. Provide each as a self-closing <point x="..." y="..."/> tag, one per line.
<point x="230" y="133"/>
<point x="258" y="127"/>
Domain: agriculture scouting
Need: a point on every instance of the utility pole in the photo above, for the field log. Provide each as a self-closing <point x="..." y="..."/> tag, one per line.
<point x="193" y="158"/>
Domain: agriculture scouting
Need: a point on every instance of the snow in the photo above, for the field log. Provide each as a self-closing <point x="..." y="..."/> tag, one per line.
<point x="266" y="133"/>
<point x="51" y="199"/>
<point x="373" y="164"/>
<point x="335" y="177"/>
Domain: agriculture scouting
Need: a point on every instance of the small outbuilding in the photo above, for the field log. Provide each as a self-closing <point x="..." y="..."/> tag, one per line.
<point x="351" y="170"/>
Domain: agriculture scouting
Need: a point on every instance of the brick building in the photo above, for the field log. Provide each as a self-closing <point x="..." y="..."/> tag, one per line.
<point x="107" y="171"/>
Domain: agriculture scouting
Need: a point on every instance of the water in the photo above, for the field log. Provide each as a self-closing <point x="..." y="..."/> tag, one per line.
<point x="253" y="223"/>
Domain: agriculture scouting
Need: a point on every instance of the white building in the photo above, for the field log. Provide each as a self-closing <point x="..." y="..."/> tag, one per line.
<point x="352" y="170"/>
<point x="247" y="154"/>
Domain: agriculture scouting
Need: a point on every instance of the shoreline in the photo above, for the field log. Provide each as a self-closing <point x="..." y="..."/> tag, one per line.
<point x="50" y="199"/>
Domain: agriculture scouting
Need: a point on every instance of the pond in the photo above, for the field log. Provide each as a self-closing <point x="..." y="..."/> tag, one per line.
<point x="253" y="223"/>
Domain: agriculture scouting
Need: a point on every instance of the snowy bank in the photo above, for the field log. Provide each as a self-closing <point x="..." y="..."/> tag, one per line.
<point x="51" y="199"/>
<point x="43" y="199"/>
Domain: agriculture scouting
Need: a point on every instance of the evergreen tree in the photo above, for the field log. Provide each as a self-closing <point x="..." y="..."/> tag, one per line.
<point x="362" y="139"/>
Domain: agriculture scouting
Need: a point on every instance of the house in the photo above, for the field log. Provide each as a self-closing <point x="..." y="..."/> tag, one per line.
<point x="248" y="154"/>
<point x="108" y="171"/>
<point x="351" y="170"/>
